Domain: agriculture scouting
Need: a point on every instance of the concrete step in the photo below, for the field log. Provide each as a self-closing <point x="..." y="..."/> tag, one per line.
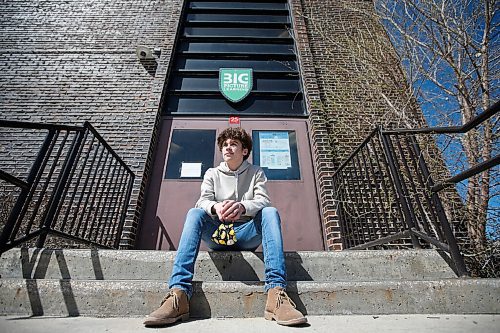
<point x="247" y="299"/>
<point x="223" y="266"/>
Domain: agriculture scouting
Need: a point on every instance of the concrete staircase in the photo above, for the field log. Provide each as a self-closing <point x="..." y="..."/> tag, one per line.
<point x="107" y="283"/>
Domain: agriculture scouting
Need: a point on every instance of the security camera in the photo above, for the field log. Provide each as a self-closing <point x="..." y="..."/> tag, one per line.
<point x="144" y="53"/>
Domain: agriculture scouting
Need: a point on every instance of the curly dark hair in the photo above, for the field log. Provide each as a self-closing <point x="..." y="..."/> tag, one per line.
<point x="235" y="133"/>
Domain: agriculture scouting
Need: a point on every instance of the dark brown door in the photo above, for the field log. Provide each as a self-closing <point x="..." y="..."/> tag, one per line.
<point x="176" y="179"/>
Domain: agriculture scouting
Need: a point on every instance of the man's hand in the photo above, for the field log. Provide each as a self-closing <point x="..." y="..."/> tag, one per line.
<point x="229" y="210"/>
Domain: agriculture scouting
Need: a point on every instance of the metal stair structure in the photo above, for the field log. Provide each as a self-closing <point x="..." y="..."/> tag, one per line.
<point x="119" y="283"/>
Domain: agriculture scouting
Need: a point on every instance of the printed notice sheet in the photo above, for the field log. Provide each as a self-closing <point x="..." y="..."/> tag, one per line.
<point x="275" y="150"/>
<point x="190" y="170"/>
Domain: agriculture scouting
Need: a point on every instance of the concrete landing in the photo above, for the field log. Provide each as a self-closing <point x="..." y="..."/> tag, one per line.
<point x="318" y="324"/>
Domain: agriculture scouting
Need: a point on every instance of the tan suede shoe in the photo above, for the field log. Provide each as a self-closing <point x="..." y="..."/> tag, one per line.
<point x="281" y="308"/>
<point x="174" y="307"/>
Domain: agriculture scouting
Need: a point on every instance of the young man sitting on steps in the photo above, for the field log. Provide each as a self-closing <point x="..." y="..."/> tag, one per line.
<point x="232" y="213"/>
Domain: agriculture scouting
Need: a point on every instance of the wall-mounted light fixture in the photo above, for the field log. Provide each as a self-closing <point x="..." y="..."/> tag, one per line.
<point x="148" y="57"/>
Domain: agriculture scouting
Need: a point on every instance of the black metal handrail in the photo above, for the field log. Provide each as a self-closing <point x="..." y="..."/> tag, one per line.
<point x="386" y="195"/>
<point x="77" y="188"/>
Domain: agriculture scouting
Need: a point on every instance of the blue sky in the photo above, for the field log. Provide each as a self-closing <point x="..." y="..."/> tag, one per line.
<point x="439" y="108"/>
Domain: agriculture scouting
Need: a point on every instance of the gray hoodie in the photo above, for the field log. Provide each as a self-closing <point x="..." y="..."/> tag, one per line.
<point x="246" y="185"/>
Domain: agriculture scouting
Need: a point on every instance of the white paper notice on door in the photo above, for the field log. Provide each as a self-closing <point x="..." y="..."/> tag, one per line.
<point x="274" y="150"/>
<point x="190" y="170"/>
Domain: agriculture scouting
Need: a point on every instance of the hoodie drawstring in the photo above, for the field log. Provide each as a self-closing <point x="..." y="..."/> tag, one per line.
<point x="236" y="191"/>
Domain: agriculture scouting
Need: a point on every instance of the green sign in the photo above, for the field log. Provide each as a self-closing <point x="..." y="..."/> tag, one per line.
<point x="235" y="83"/>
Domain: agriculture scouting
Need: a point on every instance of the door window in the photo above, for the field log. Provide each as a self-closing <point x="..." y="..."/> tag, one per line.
<point x="191" y="153"/>
<point x="276" y="153"/>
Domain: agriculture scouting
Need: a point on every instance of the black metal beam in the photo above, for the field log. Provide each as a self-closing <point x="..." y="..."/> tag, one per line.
<point x="478" y="168"/>
<point x="13" y="180"/>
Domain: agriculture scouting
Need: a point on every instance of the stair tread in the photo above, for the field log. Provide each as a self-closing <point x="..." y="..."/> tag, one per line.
<point x="301" y="265"/>
<point x="247" y="299"/>
<point x="132" y="283"/>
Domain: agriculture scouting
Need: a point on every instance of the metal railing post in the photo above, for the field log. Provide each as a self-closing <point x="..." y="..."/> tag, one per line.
<point x="448" y="233"/>
<point x="59" y="187"/>
<point x="124" y="212"/>
<point x="399" y="189"/>
<point x="21" y="200"/>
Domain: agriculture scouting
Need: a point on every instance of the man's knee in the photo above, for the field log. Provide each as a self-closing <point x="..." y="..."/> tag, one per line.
<point x="195" y="215"/>
<point x="196" y="211"/>
<point x="270" y="211"/>
<point x="270" y="214"/>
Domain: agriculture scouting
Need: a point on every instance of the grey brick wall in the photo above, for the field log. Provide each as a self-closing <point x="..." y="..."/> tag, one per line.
<point x="74" y="60"/>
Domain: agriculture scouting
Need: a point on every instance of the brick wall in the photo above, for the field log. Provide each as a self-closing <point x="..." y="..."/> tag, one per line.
<point x="74" y="60"/>
<point x="352" y="82"/>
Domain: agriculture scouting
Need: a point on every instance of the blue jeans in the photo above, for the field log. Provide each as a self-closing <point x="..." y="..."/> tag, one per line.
<point x="265" y="228"/>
